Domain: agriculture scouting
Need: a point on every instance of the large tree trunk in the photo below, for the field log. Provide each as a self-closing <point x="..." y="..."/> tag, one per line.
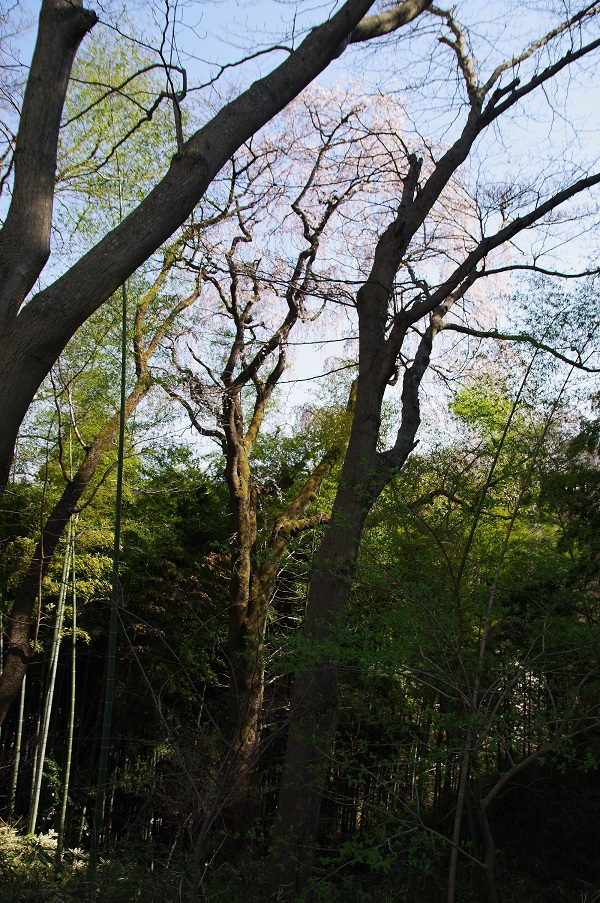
<point x="25" y="235"/>
<point x="365" y="472"/>
<point x="314" y="704"/>
<point x="251" y="590"/>
<point x="244" y="642"/>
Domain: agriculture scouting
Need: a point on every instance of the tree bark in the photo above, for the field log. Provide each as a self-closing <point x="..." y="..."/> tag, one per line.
<point x="244" y="643"/>
<point x="251" y="590"/>
<point x="365" y="472"/>
<point x="314" y="704"/>
<point x="25" y="236"/>
<point x="489" y="846"/>
<point x="463" y="783"/>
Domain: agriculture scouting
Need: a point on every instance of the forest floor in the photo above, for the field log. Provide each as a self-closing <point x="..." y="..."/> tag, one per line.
<point x="29" y="872"/>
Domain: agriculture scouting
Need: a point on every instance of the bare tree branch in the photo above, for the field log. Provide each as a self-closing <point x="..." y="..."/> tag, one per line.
<point x="520" y="337"/>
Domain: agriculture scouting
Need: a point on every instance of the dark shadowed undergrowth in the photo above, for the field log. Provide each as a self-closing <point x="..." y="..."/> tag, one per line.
<point x="28" y="872"/>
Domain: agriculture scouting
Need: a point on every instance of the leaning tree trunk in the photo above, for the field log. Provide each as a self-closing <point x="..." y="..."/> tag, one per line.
<point x="18" y="648"/>
<point x="314" y="704"/>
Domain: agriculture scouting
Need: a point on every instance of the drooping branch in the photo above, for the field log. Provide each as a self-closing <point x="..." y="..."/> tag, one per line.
<point x="200" y="429"/>
<point x="534" y="268"/>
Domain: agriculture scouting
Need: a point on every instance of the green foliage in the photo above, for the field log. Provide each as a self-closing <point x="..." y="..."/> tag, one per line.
<point x="19" y="524"/>
<point x="109" y="147"/>
<point x="413" y="649"/>
<point x="426" y="589"/>
<point x="484" y="406"/>
<point x="28" y="871"/>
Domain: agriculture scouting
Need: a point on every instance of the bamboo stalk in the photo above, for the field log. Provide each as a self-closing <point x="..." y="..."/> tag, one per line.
<point x="67" y="775"/>
<point x="41" y="756"/>
<point x="17" y="759"/>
